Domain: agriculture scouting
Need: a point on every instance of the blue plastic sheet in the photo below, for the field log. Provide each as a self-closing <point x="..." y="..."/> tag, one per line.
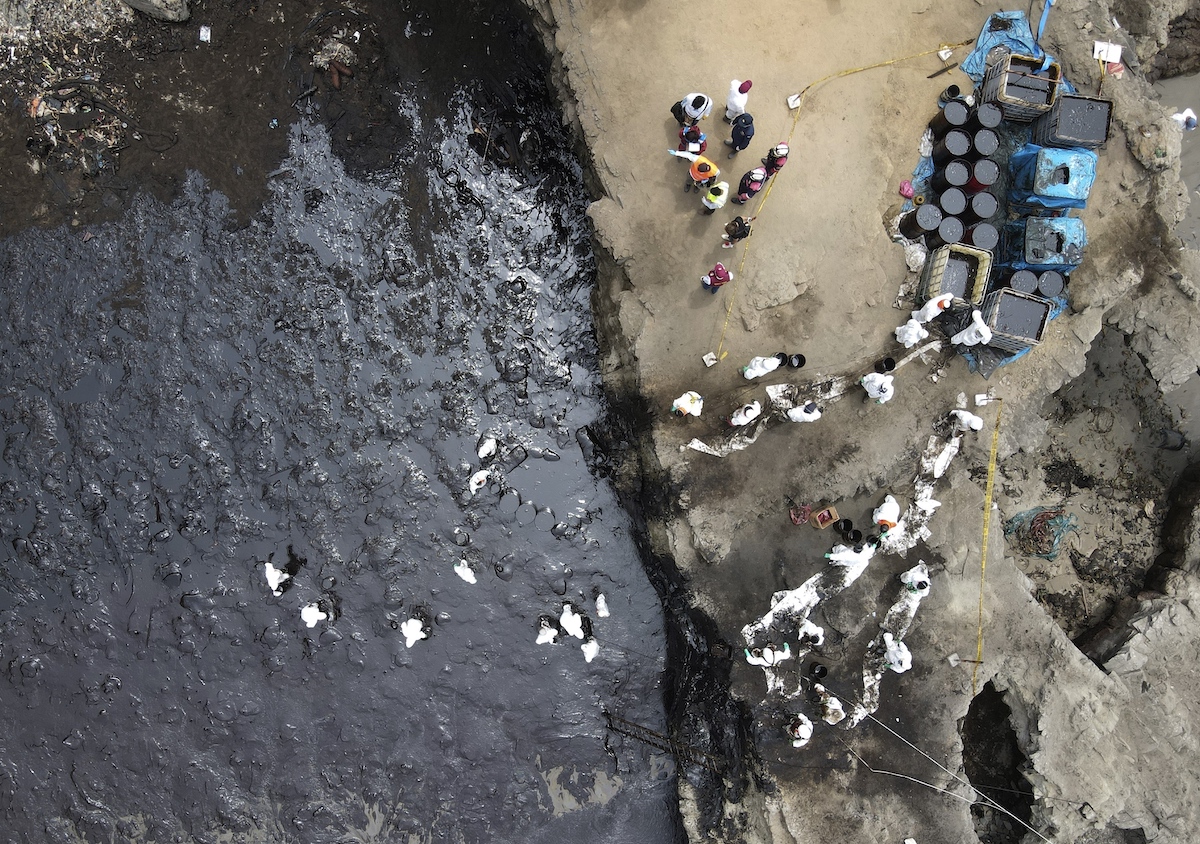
<point x="1008" y="29"/>
<point x="1044" y="243"/>
<point x="1051" y="178"/>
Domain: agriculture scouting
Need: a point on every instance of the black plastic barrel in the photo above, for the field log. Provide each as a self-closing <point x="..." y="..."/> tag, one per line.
<point x="1051" y="284"/>
<point x="1023" y="281"/>
<point x="796" y="361"/>
<point x="954" y="175"/>
<point x="954" y="115"/>
<point x="954" y="144"/>
<point x="981" y="206"/>
<point x="984" y="174"/>
<point x="982" y="236"/>
<point x="854" y="536"/>
<point x="921" y="219"/>
<point x="885" y="365"/>
<point x="952" y="201"/>
<point x="949" y="230"/>
<point x="985" y="116"/>
<point x="984" y="143"/>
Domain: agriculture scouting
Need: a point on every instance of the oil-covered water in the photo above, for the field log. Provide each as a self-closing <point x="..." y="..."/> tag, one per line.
<point x="191" y="404"/>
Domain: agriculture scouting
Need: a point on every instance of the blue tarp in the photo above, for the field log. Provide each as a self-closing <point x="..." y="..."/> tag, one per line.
<point x="1046" y="177"/>
<point x="1008" y="29"/>
<point x="1044" y="243"/>
<point x="1005" y="29"/>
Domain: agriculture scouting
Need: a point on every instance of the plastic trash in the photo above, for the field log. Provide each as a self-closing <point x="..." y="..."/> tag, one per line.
<point x="601" y="606"/>
<point x="1186" y="119"/>
<point x="463" y="570"/>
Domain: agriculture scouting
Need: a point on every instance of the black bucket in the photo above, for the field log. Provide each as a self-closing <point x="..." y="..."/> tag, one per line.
<point x="986" y="116"/>
<point x="885" y="365"/>
<point x="982" y="236"/>
<point x="984" y="144"/>
<point x="854" y="537"/>
<point x="954" y="114"/>
<point x="782" y="357"/>
<point x="1023" y="281"/>
<point x="818" y="671"/>
<point x="923" y="218"/>
<point x="950" y="230"/>
<point x="843" y="525"/>
<point x="956" y="174"/>
<point x="952" y="92"/>
<point x="1051" y="284"/>
<point x="952" y="201"/>
<point x="984" y="174"/>
<point x="955" y="144"/>
<point x="983" y="206"/>
<point x="796" y="361"/>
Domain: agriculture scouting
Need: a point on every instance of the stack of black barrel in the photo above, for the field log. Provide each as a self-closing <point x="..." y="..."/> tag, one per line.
<point x="960" y="201"/>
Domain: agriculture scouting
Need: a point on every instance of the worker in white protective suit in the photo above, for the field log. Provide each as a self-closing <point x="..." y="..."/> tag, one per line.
<point x="911" y="333"/>
<point x="832" y="711"/>
<point x="843" y="555"/>
<point x="932" y="308"/>
<point x="887" y="514"/>
<point x="768" y="656"/>
<point x="878" y="387"/>
<point x="745" y="414"/>
<point x="811" y="635"/>
<point x="895" y="654"/>
<point x="808" y="413"/>
<point x="916" y="579"/>
<point x="975" y="333"/>
<point x="761" y="366"/>
<point x="690" y="403"/>
<point x="963" y="421"/>
<point x="800" y="729"/>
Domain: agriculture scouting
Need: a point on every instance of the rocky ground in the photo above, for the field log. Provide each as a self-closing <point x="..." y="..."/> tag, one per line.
<point x="1082" y="663"/>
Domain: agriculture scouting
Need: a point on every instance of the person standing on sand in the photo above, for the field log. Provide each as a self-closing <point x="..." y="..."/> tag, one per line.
<point x="703" y="172"/>
<point x="692" y="109"/>
<point x="691" y="139"/>
<point x="716" y="197"/>
<point x="750" y="185"/>
<point x="736" y="229"/>
<point x="743" y="131"/>
<point x="776" y="158"/>
<point x="735" y="103"/>
<point x="716" y="277"/>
